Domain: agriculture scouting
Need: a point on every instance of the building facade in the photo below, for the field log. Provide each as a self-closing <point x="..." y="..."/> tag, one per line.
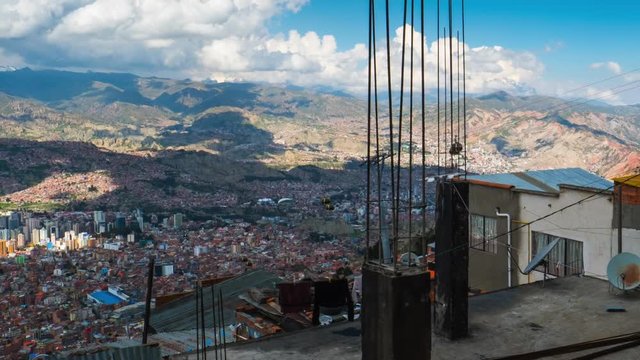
<point x="528" y="210"/>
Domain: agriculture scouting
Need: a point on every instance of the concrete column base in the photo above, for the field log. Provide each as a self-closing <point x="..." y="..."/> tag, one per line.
<point x="396" y="321"/>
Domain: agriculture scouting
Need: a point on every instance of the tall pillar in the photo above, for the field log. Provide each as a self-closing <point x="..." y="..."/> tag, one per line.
<point x="452" y="260"/>
<point x="396" y="321"/>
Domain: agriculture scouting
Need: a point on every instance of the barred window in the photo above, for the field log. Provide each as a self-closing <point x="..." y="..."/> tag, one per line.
<point x="565" y="259"/>
<point x="483" y="233"/>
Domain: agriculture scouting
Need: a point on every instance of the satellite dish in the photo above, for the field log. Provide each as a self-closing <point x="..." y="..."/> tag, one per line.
<point x="623" y="271"/>
<point x="408" y="259"/>
<point x="540" y="256"/>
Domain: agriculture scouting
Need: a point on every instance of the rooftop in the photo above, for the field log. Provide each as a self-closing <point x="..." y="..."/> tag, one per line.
<point x="105" y="297"/>
<point x="526" y="318"/>
<point x="547" y="180"/>
<point x="180" y="314"/>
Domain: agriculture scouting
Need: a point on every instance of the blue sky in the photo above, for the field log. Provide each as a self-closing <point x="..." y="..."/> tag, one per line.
<point x="549" y="46"/>
<point x="567" y="36"/>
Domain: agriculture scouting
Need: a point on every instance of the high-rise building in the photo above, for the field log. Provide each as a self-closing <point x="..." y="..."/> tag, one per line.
<point x="70" y="244"/>
<point x="177" y="220"/>
<point x="11" y="246"/>
<point x="44" y="236"/>
<point x="53" y="232"/>
<point x="33" y="223"/>
<point x="35" y="236"/>
<point x="83" y="240"/>
<point x="121" y="223"/>
<point x="139" y="218"/>
<point x="14" y="220"/>
<point x="27" y="234"/>
<point x="140" y="222"/>
<point x="3" y="248"/>
<point x="20" y="243"/>
<point x="99" y="222"/>
<point x="4" y="222"/>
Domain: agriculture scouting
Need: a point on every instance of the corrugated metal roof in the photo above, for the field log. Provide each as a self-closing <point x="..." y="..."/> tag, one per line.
<point x="548" y="180"/>
<point x="506" y="179"/>
<point x="631" y="180"/>
<point x="572" y="177"/>
<point x="180" y="314"/>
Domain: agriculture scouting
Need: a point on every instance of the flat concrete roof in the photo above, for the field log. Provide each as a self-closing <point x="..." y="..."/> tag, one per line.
<point x="507" y="322"/>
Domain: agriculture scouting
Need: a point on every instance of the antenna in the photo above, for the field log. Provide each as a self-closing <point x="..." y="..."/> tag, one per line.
<point x="623" y="271"/>
<point x="539" y="258"/>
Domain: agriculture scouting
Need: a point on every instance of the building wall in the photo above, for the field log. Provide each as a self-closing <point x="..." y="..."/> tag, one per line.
<point x="630" y="207"/>
<point x="488" y="271"/>
<point x="588" y="222"/>
<point x="630" y="240"/>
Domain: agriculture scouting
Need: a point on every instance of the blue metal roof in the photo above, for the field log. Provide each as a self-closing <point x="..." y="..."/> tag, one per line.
<point x="106" y="297"/>
<point x="572" y="177"/>
<point x="506" y="179"/>
<point x="548" y="180"/>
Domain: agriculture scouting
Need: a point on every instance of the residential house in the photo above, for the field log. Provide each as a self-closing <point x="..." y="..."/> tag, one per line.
<point x="538" y="207"/>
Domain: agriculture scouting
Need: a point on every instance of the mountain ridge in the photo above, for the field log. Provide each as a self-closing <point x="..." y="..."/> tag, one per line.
<point x="284" y="127"/>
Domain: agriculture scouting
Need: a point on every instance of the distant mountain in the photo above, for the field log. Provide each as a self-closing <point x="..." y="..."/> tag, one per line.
<point x="283" y="127"/>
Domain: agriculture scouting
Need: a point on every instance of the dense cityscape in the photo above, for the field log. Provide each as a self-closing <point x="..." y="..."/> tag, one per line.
<point x="308" y="179"/>
<point x="69" y="279"/>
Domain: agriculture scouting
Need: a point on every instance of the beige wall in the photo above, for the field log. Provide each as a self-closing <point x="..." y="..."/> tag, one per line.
<point x="488" y="271"/>
<point x="588" y="222"/>
<point x="630" y="240"/>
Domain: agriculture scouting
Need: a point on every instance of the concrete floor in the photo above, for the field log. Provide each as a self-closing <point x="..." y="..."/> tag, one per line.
<point x="508" y="322"/>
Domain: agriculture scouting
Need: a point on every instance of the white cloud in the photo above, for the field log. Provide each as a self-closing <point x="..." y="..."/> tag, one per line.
<point x="9" y="60"/>
<point x="607" y="95"/>
<point x="21" y="18"/>
<point x="612" y="66"/>
<point x="488" y="68"/>
<point x="226" y="40"/>
<point x="300" y="59"/>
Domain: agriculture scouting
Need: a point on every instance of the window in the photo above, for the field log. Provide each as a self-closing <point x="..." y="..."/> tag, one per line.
<point x="483" y="233"/>
<point x="565" y="259"/>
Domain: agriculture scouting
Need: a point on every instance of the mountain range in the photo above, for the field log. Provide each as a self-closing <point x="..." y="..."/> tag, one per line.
<point x="173" y="128"/>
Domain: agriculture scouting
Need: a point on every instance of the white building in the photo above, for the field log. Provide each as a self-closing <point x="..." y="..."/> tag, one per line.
<point x="538" y="206"/>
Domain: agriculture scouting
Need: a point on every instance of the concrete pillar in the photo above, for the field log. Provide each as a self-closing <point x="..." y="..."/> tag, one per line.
<point x="452" y="260"/>
<point x="396" y="321"/>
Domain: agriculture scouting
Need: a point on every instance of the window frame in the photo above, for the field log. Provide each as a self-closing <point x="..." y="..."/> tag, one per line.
<point x="489" y="241"/>
<point x="563" y="261"/>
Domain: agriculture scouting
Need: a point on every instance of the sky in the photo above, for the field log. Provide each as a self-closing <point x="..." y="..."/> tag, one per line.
<point x="569" y="48"/>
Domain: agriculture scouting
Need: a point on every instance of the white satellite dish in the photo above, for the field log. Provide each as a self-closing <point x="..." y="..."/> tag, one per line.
<point x="623" y="271"/>
<point x="408" y="259"/>
<point x="540" y="256"/>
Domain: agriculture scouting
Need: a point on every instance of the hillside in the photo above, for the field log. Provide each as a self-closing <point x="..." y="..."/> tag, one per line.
<point x="141" y="136"/>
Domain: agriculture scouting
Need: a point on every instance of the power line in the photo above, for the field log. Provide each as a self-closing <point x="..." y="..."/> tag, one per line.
<point x="584" y="101"/>
<point x="601" y="81"/>
<point x="599" y="193"/>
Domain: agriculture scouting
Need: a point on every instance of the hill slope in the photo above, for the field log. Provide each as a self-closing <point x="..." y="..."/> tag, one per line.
<point x="265" y="129"/>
